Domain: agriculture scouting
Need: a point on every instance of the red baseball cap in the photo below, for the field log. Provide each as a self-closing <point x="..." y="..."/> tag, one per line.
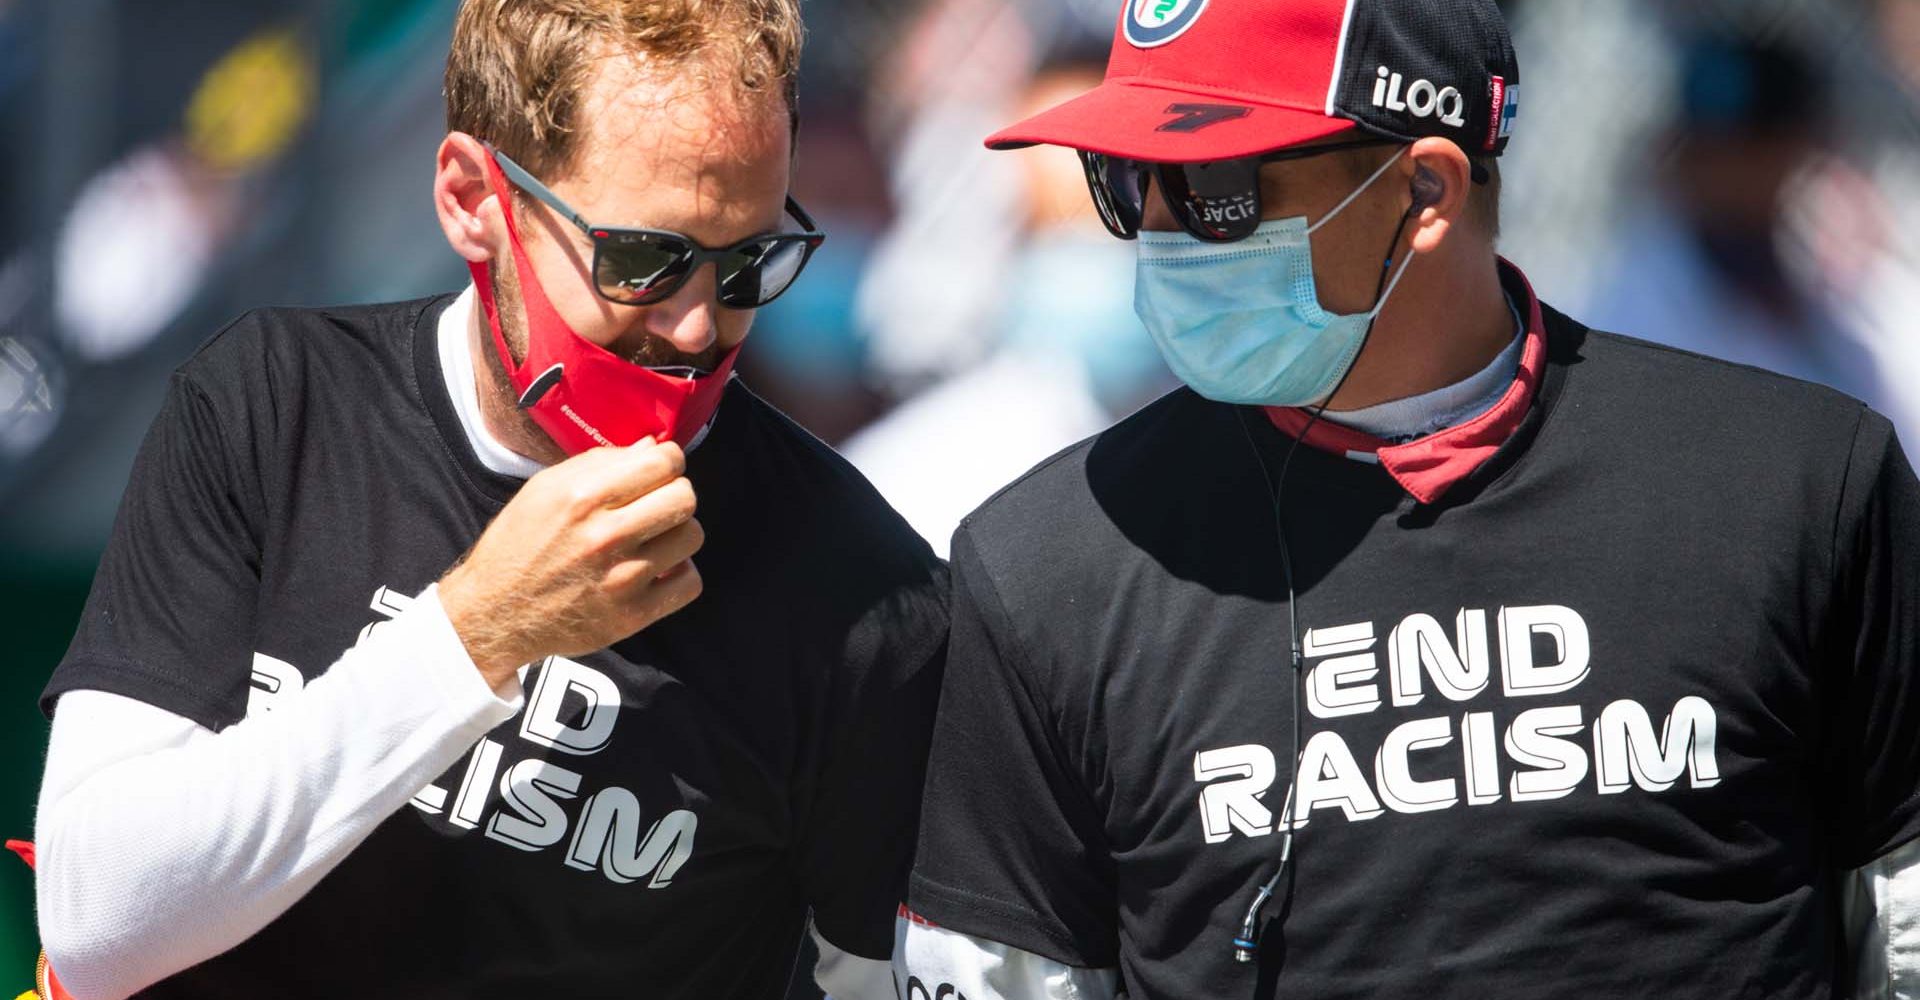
<point x="1195" y="80"/>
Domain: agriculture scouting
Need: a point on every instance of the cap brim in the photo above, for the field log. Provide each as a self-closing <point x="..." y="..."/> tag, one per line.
<point x="1138" y="121"/>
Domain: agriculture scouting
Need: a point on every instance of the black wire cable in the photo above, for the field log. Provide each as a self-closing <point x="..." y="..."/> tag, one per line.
<point x="1246" y="944"/>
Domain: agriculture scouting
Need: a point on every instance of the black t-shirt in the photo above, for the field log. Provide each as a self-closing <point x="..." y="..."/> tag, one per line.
<point x="308" y="472"/>
<point x="1604" y="721"/>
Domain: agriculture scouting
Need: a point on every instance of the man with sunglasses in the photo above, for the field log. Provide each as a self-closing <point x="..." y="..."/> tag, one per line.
<point x="1428" y="644"/>
<point x="399" y="678"/>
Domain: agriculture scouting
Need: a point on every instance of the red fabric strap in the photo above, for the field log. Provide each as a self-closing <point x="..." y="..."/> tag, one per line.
<point x="1430" y="466"/>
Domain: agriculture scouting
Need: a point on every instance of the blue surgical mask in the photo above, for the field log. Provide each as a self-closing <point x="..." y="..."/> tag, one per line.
<point x="1241" y="322"/>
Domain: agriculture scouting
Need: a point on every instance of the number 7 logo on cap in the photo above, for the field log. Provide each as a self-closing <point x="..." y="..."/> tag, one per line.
<point x="1194" y="117"/>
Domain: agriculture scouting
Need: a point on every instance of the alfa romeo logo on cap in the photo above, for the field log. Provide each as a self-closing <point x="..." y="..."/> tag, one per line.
<point x="1157" y="22"/>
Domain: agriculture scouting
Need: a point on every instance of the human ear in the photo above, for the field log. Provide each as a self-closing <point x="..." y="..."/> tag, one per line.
<point x="1438" y="191"/>
<point x="469" y="211"/>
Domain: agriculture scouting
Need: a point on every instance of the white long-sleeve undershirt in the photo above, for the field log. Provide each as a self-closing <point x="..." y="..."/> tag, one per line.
<point x="162" y="844"/>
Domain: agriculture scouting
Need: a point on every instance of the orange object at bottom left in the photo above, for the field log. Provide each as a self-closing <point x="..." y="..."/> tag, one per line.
<point x="46" y="985"/>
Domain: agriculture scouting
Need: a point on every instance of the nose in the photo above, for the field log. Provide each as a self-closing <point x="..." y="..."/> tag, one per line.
<point x="1155" y="216"/>
<point x="687" y="318"/>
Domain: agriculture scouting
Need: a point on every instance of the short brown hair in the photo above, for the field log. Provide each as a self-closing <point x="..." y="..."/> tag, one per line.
<point x="518" y="69"/>
<point x="1484" y="199"/>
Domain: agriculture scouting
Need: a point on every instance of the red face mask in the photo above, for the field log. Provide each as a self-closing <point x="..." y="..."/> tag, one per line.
<point x="581" y="394"/>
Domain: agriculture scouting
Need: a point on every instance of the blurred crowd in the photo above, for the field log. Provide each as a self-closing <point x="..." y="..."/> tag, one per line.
<point x="1740" y="179"/>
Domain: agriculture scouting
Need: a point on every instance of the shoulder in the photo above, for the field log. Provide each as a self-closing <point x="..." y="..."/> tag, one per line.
<point x="270" y="349"/>
<point x="1692" y="405"/>
<point x="1685" y="379"/>
<point x="1101" y="509"/>
<point x="1143" y="459"/>
<point x="274" y="380"/>
<point x="803" y="519"/>
<point x="1641" y="431"/>
<point x="772" y="451"/>
<point x="1169" y="438"/>
<point x="777" y="487"/>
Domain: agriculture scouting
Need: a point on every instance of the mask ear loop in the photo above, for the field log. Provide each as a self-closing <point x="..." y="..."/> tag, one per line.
<point x="1381" y="302"/>
<point x="1357" y="192"/>
<point x="1385" y="289"/>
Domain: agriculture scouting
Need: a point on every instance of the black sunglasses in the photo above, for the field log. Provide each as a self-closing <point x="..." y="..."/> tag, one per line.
<point x="1216" y="201"/>
<point x="638" y="267"/>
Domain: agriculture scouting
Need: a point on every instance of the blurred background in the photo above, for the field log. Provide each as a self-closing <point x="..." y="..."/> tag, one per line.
<point x="1741" y="179"/>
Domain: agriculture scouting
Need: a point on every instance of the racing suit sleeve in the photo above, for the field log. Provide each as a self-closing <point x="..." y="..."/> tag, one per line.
<point x="932" y="962"/>
<point x="842" y="975"/>
<point x="1881" y="908"/>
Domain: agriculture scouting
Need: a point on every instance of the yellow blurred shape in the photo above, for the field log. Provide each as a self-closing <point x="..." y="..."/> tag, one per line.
<point x="252" y="102"/>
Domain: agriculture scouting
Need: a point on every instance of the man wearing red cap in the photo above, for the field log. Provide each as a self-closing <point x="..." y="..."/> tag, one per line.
<point x="498" y="644"/>
<point x="1428" y="643"/>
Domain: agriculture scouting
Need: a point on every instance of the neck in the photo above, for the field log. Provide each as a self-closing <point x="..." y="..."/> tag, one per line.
<point x="1447" y="320"/>
<point x="499" y="408"/>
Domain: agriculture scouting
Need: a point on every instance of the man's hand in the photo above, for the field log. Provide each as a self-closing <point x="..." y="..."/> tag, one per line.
<point x="589" y="552"/>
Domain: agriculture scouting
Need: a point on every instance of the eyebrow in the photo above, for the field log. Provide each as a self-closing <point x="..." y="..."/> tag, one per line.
<point x="531" y="184"/>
